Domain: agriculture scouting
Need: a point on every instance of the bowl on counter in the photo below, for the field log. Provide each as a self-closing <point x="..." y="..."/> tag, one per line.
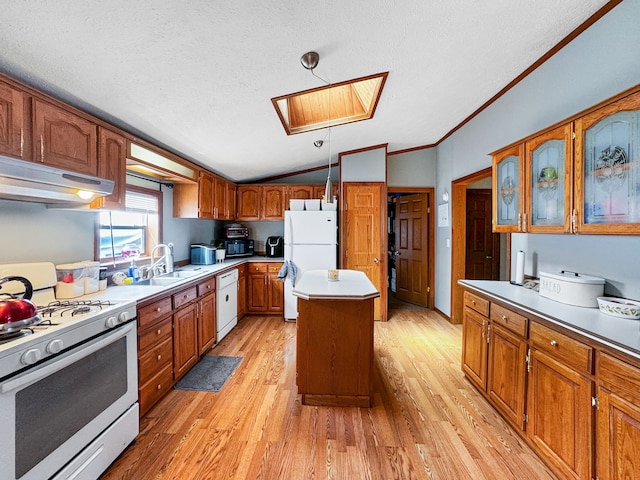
<point x="619" y="307"/>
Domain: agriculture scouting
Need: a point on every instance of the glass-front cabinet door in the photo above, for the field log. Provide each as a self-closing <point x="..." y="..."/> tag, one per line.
<point x="549" y="179"/>
<point x="508" y="194"/>
<point x="607" y="168"/>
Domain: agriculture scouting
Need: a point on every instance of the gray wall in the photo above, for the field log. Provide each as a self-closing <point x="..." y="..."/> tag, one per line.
<point x="598" y="64"/>
<point x="366" y="166"/>
<point x="412" y="169"/>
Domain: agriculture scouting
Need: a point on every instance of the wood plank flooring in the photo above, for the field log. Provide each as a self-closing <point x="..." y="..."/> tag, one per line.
<point x="427" y="421"/>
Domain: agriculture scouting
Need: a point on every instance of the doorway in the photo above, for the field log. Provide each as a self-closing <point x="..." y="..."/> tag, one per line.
<point x="410" y="247"/>
<point x="461" y="264"/>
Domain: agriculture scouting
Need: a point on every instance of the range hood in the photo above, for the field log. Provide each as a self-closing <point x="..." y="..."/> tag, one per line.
<point x="35" y="182"/>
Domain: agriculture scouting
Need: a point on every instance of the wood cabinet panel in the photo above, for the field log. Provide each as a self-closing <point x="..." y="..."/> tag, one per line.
<point x="564" y="348"/>
<point x="474" y="347"/>
<point x="258" y="294"/>
<point x="184" y="296"/>
<point x="509" y="320"/>
<point x="185" y="340"/>
<point x="508" y="190"/>
<point x="242" y="291"/>
<point x="155" y="334"/>
<point x="154" y="389"/>
<point x="299" y="192"/>
<point x="155" y="359"/>
<point x="151" y="313"/>
<point x="112" y="159"/>
<point x="273" y="201"/>
<point x="276" y="294"/>
<point x="249" y="200"/>
<point x="63" y="139"/>
<point x="560" y="417"/>
<point x="205" y="195"/>
<point x="507" y="373"/>
<point x="476" y="303"/>
<point x="206" y="322"/>
<point x="12" y="123"/>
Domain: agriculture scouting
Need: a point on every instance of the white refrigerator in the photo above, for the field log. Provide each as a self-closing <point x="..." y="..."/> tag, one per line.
<point x="310" y="243"/>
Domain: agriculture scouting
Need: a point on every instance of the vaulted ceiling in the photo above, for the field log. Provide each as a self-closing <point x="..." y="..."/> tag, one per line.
<point x="198" y="77"/>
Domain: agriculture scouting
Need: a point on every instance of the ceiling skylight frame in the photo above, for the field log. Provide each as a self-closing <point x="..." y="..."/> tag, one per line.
<point x="297" y="119"/>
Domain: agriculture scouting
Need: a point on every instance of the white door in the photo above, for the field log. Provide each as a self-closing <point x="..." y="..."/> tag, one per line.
<point x="310" y="227"/>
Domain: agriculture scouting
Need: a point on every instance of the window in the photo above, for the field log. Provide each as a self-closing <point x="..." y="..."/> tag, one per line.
<point x="136" y="228"/>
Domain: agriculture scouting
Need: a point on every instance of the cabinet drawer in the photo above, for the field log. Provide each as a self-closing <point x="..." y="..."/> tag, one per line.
<point x="207" y="286"/>
<point x="184" y="297"/>
<point x="476" y="303"/>
<point x="155" y="388"/>
<point x="509" y="320"/>
<point x="619" y="377"/>
<point x="257" y="268"/>
<point x="563" y="348"/>
<point x="274" y="267"/>
<point x="149" y="314"/>
<point x="155" y="359"/>
<point x="155" y="335"/>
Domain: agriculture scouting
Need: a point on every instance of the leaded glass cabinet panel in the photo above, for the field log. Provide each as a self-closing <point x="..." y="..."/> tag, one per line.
<point x="607" y="168"/>
<point x="508" y="190"/>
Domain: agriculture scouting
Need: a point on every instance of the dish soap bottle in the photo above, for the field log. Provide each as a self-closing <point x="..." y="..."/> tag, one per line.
<point x="134" y="271"/>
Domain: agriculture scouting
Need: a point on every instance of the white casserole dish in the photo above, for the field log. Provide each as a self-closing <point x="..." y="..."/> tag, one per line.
<point x="619" y="307"/>
<point x="572" y="288"/>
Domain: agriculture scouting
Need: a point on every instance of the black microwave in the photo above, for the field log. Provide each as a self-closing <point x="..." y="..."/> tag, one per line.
<point x="237" y="247"/>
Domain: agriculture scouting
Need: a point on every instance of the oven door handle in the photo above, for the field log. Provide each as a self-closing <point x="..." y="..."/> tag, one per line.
<point x="40" y="372"/>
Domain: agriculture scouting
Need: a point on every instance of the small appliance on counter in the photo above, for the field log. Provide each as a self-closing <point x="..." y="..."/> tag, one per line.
<point x="236" y="230"/>
<point x="572" y="288"/>
<point x="275" y="246"/>
<point x="237" y="247"/>
<point x="203" y="254"/>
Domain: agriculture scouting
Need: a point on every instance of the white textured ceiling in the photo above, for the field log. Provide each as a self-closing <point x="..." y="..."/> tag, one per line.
<point x="197" y="76"/>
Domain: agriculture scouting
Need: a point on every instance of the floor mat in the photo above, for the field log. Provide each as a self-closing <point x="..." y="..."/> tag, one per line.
<point x="209" y="374"/>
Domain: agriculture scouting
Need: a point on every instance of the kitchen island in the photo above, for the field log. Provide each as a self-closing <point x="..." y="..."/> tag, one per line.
<point x="334" y="351"/>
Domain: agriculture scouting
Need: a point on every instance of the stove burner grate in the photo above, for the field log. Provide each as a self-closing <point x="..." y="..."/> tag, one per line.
<point x="7" y="337"/>
<point x="72" y="307"/>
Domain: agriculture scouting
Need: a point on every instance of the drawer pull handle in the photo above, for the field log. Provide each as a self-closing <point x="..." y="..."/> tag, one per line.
<point x="473" y="302"/>
<point x="504" y="318"/>
<point x="159" y="357"/>
<point x="158" y="332"/>
<point x="159" y="387"/>
<point x="553" y="343"/>
<point x="158" y="309"/>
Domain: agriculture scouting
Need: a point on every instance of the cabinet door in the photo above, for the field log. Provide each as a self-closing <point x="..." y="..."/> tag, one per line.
<point x="506" y="373"/>
<point x="258" y="294"/>
<point x="549" y="171"/>
<point x="112" y="159"/>
<point x="185" y="340"/>
<point x="300" y="191"/>
<point x="508" y="192"/>
<point x="273" y="202"/>
<point x="474" y="347"/>
<point x="318" y="190"/>
<point x="206" y="323"/>
<point x="242" y="292"/>
<point x="618" y="420"/>
<point x="560" y="415"/>
<point x="219" y="199"/>
<point x="231" y="201"/>
<point x="248" y="207"/>
<point x="276" y="294"/>
<point x="607" y="168"/>
<point x="63" y="139"/>
<point x="12" y="122"/>
<point x="205" y="195"/>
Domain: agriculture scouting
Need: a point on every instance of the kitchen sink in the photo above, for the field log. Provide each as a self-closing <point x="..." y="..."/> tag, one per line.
<point x="158" y="281"/>
<point x="181" y="274"/>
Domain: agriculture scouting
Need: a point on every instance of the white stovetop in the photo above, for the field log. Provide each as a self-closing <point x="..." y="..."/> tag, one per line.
<point x="623" y="334"/>
<point x="352" y="285"/>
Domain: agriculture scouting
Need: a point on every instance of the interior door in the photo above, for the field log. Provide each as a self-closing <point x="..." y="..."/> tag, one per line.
<point x="362" y="235"/>
<point x="412" y="249"/>
<point x="482" y="245"/>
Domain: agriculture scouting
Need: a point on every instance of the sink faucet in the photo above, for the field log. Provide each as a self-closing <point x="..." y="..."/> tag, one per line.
<point x="166" y="260"/>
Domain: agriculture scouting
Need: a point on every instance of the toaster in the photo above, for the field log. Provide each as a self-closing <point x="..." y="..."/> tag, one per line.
<point x="203" y="254"/>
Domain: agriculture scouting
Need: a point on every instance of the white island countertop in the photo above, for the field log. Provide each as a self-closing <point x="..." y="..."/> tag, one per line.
<point x="351" y="285"/>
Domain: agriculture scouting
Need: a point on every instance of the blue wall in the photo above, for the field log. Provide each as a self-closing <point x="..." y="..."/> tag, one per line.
<point x="600" y="63"/>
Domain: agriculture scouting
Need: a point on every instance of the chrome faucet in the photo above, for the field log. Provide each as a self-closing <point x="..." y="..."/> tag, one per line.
<point x="166" y="260"/>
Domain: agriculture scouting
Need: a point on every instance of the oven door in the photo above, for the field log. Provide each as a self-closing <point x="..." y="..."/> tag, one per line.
<point x="51" y="412"/>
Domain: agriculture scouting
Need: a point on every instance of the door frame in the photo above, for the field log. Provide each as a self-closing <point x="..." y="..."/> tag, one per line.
<point x="459" y="236"/>
<point x="430" y="236"/>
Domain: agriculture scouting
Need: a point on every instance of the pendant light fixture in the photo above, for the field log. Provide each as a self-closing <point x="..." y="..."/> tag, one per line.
<point x="310" y="61"/>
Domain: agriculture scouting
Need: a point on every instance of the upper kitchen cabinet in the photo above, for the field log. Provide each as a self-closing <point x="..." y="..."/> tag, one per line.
<point x="206" y="189"/>
<point x="548" y="167"/>
<point x="273" y="202"/>
<point x="508" y="191"/>
<point x="112" y="159"/>
<point x="299" y="192"/>
<point x="249" y="199"/>
<point x="224" y="203"/>
<point x="607" y="168"/>
<point x="63" y="139"/>
<point x="12" y="122"/>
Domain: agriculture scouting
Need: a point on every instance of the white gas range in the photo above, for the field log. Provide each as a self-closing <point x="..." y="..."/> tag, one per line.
<point x="79" y="359"/>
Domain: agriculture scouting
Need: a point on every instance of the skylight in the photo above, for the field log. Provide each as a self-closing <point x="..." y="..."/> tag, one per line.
<point x="337" y="104"/>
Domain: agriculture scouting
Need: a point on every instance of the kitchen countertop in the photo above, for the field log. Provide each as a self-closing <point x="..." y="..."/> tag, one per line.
<point x="352" y="285"/>
<point x="622" y="334"/>
<point x="141" y="293"/>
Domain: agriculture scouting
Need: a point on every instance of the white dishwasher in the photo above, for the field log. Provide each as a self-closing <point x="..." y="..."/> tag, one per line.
<point x="226" y="302"/>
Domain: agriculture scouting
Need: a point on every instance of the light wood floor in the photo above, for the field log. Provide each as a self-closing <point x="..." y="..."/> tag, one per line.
<point x="427" y="422"/>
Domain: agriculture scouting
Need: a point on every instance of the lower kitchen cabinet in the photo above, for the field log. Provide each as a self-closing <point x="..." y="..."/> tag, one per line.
<point x="206" y="315"/>
<point x="185" y="333"/>
<point x="475" y="347"/>
<point x="618" y="419"/>
<point x="265" y="291"/>
<point x="242" y="291"/>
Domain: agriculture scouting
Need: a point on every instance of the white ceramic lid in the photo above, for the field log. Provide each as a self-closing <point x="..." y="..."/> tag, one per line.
<point x="574" y="277"/>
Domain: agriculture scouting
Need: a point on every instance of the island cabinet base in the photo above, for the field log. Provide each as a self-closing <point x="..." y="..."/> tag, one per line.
<point x="334" y="352"/>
